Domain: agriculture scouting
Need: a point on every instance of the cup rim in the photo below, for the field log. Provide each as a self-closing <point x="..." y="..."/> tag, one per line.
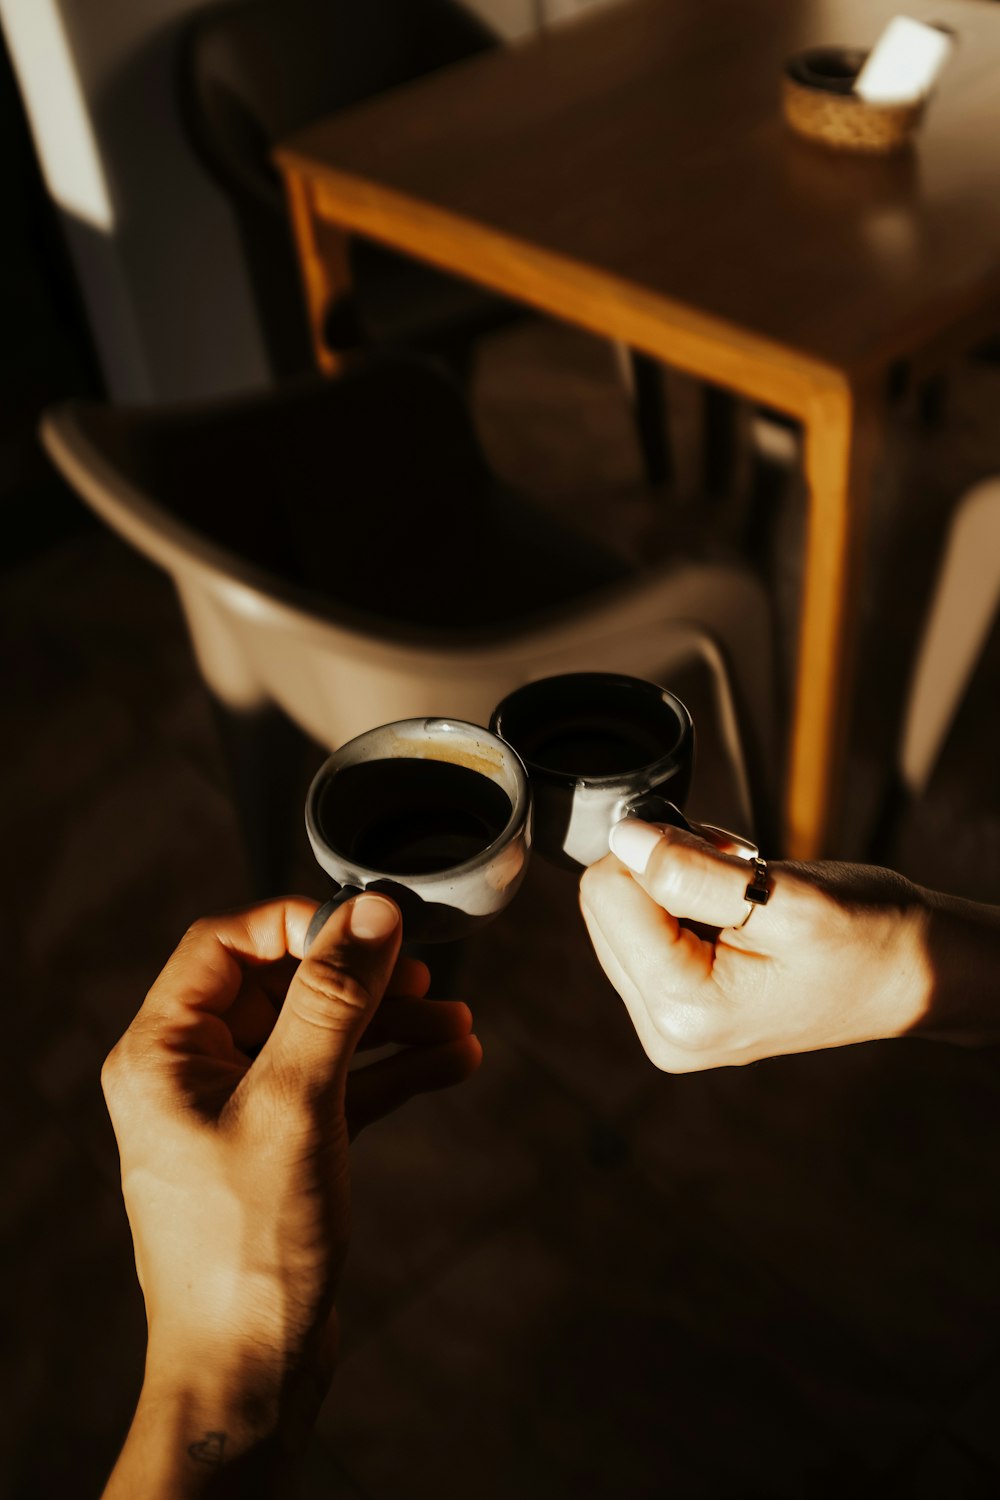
<point x="520" y="808"/>
<point x="616" y="779"/>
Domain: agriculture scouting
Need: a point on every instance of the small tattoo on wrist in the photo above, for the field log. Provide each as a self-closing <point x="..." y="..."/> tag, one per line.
<point x="209" y="1449"/>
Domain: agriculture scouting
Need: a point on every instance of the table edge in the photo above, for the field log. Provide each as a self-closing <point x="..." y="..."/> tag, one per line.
<point x="700" y="343"/>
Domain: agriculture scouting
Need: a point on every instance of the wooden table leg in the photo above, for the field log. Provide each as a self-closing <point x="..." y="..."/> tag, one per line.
<point x="843" y="437"/>
<point x="324" y="264"/>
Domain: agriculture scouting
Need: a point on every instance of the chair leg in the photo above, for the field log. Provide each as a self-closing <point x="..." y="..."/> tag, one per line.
<point x="747" y="753"/>
<point x="719" y="410"/>
<point x="963" y="607"/>
<point x="649" y="408"/>
<point x="342" y="330"/>
<point x="767" y="487"/>
<point x="743" y="633"/>
<point x="645" y="377"/>
<point x="774" y="460"/>
<point x="932" y="403"/>
<point x="265" y="756"/>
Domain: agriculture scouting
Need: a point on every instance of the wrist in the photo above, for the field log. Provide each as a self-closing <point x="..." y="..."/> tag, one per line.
<point x="216" y="1429"/>
<point x="218" y="1424"/>
<point x="192" y="1437"/>
<point x="962" y="945"/>
<point x="908" y="978"/>
<point x="254" y="1394"/>
<point x="242" y="1399"/>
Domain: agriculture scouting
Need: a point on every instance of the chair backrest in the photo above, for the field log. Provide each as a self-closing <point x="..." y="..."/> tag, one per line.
<point x="255" y="70"/>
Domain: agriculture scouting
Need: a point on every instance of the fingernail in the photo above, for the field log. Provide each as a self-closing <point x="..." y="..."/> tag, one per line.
<point x="373" y="918"/>
<point x="634" y="842"/>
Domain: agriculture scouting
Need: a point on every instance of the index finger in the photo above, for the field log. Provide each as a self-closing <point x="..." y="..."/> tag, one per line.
<point x="206" y="969"/>
<point x="662" y="970"/>
<point x="690" y="878"/>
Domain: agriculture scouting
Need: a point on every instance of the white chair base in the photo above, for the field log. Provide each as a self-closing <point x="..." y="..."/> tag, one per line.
<point x="958" y="623"/>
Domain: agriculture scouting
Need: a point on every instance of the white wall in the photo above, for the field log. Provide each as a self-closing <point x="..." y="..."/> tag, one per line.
<point x="517" y="18"/>
<point x="511" y="18"/>
<point x="152" y="240"/>
<point x="563" y="10"/>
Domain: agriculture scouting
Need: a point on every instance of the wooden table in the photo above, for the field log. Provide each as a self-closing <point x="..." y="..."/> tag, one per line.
<point x="631" y="173"/>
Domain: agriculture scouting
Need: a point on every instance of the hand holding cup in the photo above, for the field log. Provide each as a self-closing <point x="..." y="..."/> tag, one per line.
<point x="837" y="955"/>
<point x="233" y="1098"/>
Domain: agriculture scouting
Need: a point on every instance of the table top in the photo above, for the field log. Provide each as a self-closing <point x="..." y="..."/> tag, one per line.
<point x="644" y="145"/>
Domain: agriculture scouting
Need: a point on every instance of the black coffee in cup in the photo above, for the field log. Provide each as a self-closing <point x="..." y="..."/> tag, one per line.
<point x="435" y="813"/>
<point x="588" y="745"/>
<point x="598" y="747"/>
<point x="590" y="725"/>
<point x="410" y="816"/>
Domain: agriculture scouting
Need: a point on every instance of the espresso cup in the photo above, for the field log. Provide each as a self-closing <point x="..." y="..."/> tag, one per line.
<point x="435" y="813"/>
<point x="598" y="747"/>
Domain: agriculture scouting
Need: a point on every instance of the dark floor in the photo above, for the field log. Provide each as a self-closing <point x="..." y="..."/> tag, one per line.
<point x="575" y="1276"/>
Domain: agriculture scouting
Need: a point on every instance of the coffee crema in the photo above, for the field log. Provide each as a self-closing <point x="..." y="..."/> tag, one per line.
<point x="410" y="816"/>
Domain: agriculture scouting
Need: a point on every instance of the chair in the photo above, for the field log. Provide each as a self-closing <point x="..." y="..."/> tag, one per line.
<point x="957" y="627"/>
<point x="344" y="555"/>
<point x="253" y="71"/>
<point x="256" y="70"/>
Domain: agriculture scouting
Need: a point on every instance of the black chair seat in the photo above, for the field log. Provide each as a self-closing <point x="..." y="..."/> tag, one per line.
<point x="368" y="496"/>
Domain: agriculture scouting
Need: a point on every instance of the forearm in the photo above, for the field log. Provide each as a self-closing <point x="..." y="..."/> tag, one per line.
<point x="963" y="955"/>
<point x="212" y="1433"/>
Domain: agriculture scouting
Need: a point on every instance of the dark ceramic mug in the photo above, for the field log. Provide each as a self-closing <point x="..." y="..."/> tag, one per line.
<point x="565" y="759"/>
<point x="598" y="747"/>
<point x="435" y="813"/>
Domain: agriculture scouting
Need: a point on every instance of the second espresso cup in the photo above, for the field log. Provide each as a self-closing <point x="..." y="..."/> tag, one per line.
<point x="598" y="747"/>
<point x="435" y="813"/>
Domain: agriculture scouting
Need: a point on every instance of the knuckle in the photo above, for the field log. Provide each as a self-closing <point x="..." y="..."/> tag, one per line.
<point x="326" y="991"/>
<point x="679" y="873"/>
<point x="690" y="1030"/>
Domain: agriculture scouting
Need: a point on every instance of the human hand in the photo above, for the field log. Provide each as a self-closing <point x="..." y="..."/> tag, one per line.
<point x="232" y="1104"/>
<point x="837" y="955"/>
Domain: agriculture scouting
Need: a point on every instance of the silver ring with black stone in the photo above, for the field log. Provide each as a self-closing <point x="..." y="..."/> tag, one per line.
<point x="757" y="892"/>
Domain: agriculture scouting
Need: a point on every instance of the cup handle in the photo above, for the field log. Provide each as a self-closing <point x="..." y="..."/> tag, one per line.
<point x="741" y="847"/>
<point x="652" y="808"/>
<point x="324" y="912"/>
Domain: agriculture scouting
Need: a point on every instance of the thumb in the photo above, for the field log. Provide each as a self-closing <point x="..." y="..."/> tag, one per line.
<point x="335" y="991"/>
